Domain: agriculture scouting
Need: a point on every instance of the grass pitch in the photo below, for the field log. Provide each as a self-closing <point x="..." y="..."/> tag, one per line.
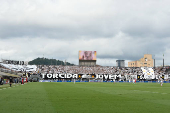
<point x="85" y="98"/>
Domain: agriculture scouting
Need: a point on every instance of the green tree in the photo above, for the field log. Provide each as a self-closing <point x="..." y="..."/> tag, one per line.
<point x="46" y="61"/>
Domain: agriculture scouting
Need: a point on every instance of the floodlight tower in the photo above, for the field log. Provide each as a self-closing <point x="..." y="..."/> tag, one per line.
<point x="154" y="61"/>
<point x="163" y="60"/>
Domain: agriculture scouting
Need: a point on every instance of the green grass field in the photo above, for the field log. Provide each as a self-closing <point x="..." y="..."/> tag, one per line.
<point x="85" y="98"/>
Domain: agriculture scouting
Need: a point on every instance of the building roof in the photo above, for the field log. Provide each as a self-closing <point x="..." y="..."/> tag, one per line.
<point x="8" y="74"/>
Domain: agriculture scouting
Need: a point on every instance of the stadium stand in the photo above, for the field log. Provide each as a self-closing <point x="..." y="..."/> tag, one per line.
<point x="97" y="70"/>
<point x="33" y="71"/>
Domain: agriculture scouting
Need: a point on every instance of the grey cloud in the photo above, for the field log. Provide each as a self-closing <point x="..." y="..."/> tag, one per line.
<point x="105" y="19"/>
<point x="117" y="29"/>
<point x="92" y="30"/>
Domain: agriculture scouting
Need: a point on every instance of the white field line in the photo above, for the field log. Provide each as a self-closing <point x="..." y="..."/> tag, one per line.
<point x="163" y="93"/>
<point x="154" y="92"/>
<point x="145" y="91"/>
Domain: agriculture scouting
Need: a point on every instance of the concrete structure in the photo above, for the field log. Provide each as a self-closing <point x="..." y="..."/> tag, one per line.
<point x="15" y="62"/>
<point x="146" y="61"/>
<point x="120" y="63"/>
<point x="87" y="62"/>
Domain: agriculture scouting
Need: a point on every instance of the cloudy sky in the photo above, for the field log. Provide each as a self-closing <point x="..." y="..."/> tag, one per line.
<point x="116" y="29"/>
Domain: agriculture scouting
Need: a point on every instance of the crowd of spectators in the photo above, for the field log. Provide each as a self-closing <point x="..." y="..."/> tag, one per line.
<point x="44" y="69"/>
<point x="97" y="70"/>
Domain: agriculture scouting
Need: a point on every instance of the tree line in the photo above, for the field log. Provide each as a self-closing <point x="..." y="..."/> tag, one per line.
<point x="46" y="61"/>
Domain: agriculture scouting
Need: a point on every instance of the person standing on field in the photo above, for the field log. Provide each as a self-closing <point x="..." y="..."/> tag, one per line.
<point x="10" y="80"/>
<point x="161" y="81"/>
